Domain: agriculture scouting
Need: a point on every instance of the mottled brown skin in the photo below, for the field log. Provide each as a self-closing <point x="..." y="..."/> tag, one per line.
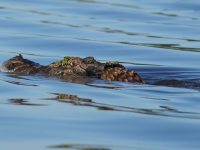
<point x="120" y="74"/>
<point x="20" y="65"/>
<point x="74" y="67"/>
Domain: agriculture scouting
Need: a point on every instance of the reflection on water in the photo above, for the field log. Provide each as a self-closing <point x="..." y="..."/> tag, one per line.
<point x="79" y="147"/>
<point x="20" y="101"/>
<point x="162" y="111"/>
<point x="159" y="39"/>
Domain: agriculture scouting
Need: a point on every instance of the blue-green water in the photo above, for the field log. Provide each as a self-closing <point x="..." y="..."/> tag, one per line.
<point x="160" y="39"/>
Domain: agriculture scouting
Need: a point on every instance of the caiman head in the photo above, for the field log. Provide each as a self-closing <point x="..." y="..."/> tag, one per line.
<point x="18" y="64"/>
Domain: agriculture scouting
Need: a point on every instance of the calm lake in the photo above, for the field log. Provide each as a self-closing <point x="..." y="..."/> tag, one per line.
<point x="159" y="39"/>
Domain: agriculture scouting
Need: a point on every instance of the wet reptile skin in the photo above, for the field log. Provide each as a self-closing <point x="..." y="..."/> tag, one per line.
<point x="73" y="66"/>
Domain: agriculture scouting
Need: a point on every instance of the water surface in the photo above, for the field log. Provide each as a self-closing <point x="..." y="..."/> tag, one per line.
<point x="159" y="39"/>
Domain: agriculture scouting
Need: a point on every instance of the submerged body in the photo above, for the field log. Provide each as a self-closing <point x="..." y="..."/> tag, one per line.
<point x="74" y="67"/>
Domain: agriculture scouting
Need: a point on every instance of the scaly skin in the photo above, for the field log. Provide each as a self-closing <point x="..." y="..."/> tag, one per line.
<point x="75" y="67"/>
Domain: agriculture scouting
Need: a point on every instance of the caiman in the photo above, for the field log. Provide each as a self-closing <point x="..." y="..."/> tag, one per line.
<point x="73" y="66"/>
